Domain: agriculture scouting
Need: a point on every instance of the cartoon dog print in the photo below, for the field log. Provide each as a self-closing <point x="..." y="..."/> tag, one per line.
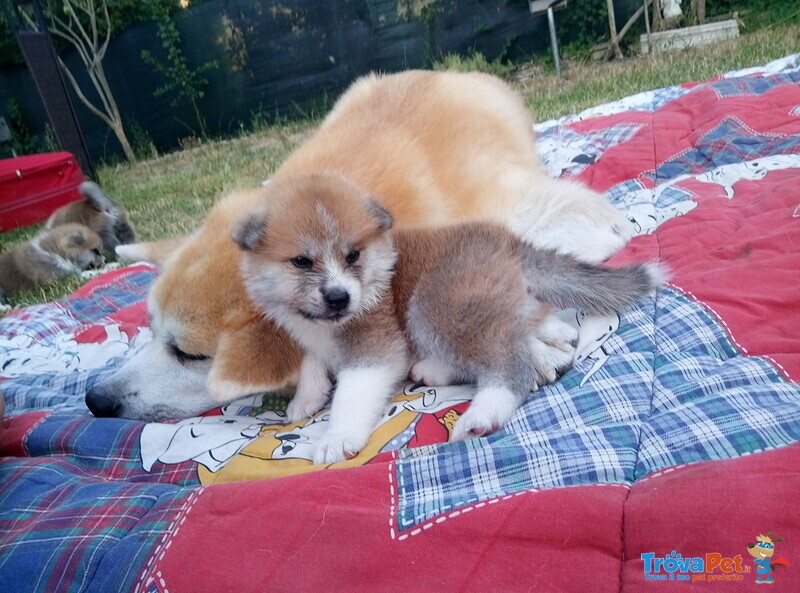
<point x="643" y="207"/>
<point x="23" y="354"/>
<point x="209" y="440"/>
<point x="594" y="332"/>
<point x="762" y="551"/>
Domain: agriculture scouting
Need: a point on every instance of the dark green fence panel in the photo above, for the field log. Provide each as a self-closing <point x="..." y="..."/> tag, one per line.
<point x="286" y="57"/>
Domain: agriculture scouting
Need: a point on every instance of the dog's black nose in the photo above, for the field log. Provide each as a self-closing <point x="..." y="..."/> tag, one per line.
<point x="101" y="405"/>
<point x="336" y="298"/>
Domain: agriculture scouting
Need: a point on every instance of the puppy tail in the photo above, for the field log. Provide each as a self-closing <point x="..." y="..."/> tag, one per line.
<point x="96" y="198"/>
<point x="155" y="252"/>
<point x="566" y="282"/>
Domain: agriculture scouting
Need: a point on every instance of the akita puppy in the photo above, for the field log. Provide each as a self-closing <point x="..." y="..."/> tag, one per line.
<point x="433" y="148"/>
<point x="100" y="213"/>
<point x="463" y="303"/>
<point x="49" y="256"/>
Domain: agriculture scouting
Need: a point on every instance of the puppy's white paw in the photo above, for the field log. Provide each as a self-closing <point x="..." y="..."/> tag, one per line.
<point x="431" y="372"/>
<point x="558" y="333"/>
<point x="338" y="447"/>
<point x="491" y="408"/>
<point x="300" y="408"/>
<point x="553" y="346"/>
<point x="313" y="391"/>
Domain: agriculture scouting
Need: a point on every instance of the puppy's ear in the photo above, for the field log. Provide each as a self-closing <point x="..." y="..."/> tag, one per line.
<point x="381" y="214"/>
<point x="250" y="231"/>
<point x="155" y="252"/>
<point x="254" y="358"/>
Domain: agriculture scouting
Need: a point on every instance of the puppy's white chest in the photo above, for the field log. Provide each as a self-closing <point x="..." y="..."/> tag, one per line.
<point x="319" y="341"/>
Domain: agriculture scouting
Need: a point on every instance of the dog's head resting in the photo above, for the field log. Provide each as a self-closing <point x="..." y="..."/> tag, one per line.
<point x="209" y="344"/>
<point x="318" y="250"/>
<point x="76" y="243"/>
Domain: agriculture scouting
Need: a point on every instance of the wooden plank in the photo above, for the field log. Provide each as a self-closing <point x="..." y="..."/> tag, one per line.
<point x="690" y="36"/>
<point x="540" y="6"/>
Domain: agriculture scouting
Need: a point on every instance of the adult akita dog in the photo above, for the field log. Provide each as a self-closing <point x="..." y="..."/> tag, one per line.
<point x="433" y="148"/>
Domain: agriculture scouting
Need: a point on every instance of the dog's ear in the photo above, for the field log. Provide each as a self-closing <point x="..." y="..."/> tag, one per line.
<point x="255" y="358"/>
<point x="250" y="230"/>
<point x="155" y="252"/>
<point x="381" y="214"/>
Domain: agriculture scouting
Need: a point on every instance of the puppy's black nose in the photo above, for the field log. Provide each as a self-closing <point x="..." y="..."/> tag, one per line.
<point x="101" y="404"/>
<point x="336" y="298"/>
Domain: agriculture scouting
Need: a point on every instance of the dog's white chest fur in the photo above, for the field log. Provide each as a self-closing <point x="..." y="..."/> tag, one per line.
<point x="317" y="339"/>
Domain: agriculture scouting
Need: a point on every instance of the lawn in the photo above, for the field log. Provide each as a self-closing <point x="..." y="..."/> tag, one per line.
<point x="170" y="194"/>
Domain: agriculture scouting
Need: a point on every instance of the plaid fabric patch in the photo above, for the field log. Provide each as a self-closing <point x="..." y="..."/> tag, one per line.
<point x="729" y="142"/>
<point x="752" y="85"/>
<point x="673" y="389"/>
<point x="63" y="531"/>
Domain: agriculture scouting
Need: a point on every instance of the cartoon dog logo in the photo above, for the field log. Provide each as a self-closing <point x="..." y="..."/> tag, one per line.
<point x="762" y="551"/>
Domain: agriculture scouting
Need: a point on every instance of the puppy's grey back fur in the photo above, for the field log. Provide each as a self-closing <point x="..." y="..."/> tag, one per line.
<point x="476" y="307"/>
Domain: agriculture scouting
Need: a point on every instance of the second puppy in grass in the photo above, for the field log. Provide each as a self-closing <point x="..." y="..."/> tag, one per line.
<point x="460" y="303"/>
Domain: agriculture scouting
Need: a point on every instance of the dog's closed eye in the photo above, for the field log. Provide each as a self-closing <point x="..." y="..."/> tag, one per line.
<point x="185" y="357"/>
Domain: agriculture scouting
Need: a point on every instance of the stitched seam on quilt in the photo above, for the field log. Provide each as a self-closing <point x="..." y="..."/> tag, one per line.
<point x="394" y="504"/>
<point x="166" y="540"/>
<point x="24" y="439"/>
<point x="729" y="332"/>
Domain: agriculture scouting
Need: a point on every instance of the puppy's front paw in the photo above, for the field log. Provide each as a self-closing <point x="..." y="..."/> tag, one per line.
<point x="300" y="409"/>
<point x="335" y="448"/>
<point x="431" y="372"/>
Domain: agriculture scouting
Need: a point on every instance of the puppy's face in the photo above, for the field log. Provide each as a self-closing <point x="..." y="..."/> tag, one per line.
<point x="82" y="246"/>
<point x="320" y="251"/>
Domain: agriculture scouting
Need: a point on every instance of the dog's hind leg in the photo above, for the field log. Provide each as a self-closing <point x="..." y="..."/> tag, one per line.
<point x="501" y="391"/>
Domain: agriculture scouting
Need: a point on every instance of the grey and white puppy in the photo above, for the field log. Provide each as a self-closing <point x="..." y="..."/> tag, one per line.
<point x="50" y="255"/>
<point x="104" y="216"/>
<point x="463" y="303"/>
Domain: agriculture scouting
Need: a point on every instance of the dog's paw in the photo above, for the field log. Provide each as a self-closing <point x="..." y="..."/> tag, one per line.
<point x="338" y="447"/>
<point x="431" y="372"/>
<point x="489" y="411"/>
<point x="553" y="346"/>
<point x="300" y="409"/>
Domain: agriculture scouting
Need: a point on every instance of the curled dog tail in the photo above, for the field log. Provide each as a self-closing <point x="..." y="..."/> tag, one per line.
<point x="564" y="281"/>
<point x="96" y="198"/>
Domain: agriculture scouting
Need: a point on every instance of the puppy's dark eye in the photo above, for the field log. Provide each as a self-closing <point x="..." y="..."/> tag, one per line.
<point x="301" y="262"/>
<point x="184" y="357"/>
<point x="96" y="252"/>
<point x="353" y="256"/>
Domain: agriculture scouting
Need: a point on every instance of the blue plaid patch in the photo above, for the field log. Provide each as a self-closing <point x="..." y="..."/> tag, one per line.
<point x="672" y="390"/>
<point x="727" y="143"/>
<point x="752" y="85"/>
<point x="60" y="531"/>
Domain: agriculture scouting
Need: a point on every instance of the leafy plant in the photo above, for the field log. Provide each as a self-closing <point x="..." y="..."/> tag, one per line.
<point x="23" y="141"/>
<point x="184" y="83"/>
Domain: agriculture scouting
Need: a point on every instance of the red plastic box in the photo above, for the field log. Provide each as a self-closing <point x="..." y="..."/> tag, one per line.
<point x="32" y="187"/>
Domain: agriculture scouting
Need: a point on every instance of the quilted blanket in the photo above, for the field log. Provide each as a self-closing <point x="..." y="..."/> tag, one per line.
<point x="667" y="459"/>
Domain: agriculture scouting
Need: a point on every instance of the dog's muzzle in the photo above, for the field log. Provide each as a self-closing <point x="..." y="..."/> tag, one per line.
<point x="102" y="404"/>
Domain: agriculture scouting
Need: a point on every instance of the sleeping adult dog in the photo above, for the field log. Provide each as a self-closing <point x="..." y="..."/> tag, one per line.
<point x="433" y="149"/>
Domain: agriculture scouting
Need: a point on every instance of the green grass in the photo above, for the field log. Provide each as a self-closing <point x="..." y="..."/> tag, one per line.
<point x="170" y="195"/>
<point x="586" y="84"/>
